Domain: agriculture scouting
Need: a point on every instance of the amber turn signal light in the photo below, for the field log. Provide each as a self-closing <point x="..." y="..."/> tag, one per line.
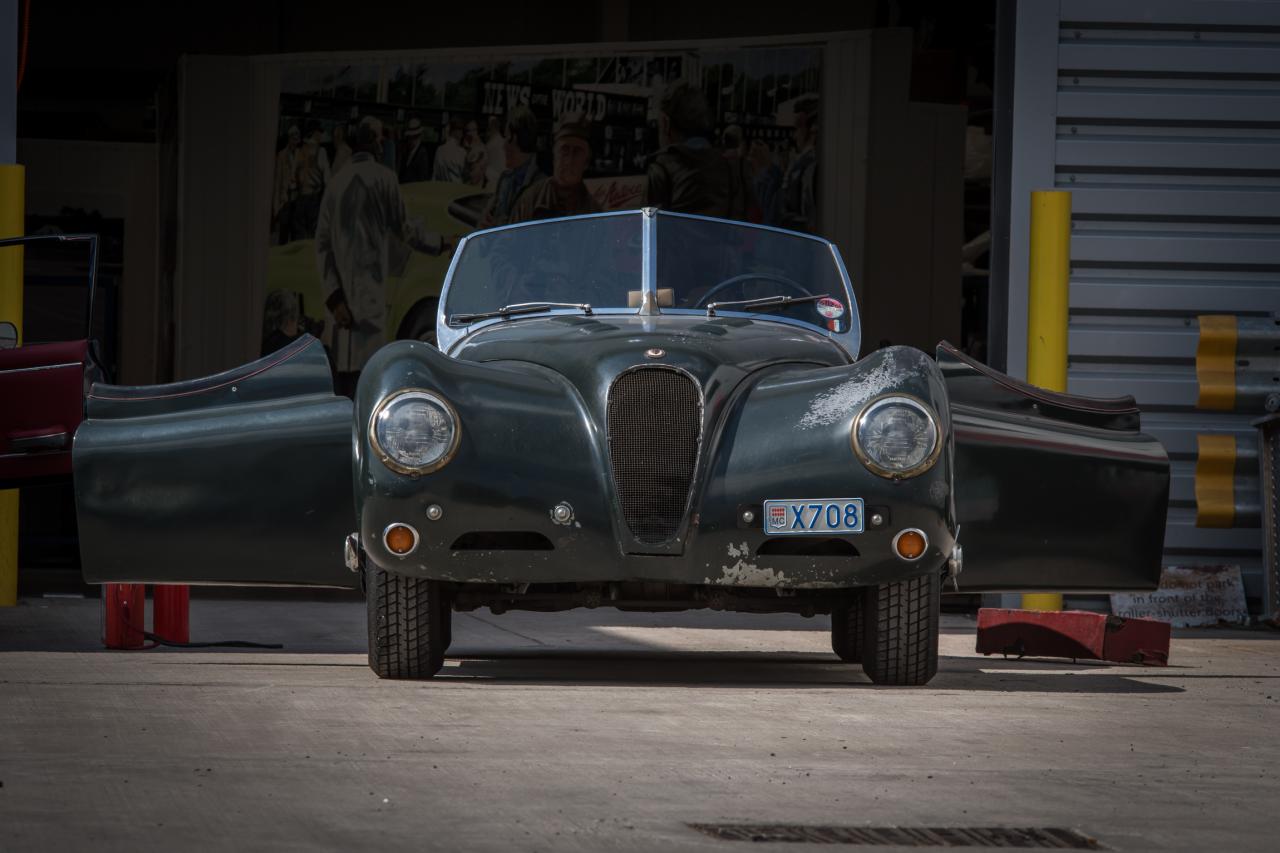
<point x="910" y="544"/>
<point x="400" y="539"/>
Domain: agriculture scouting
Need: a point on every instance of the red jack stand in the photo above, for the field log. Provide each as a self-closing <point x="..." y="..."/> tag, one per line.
<point x="124" y="609"/>
<point x="1075" y="634"/>
<point x="172" y="613"/>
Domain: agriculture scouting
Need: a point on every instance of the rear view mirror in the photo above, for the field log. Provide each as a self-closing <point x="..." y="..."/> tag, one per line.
<point x="666" y="297"/>
<point x="8" y="335"/>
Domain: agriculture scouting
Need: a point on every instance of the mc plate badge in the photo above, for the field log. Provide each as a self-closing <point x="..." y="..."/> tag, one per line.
<point x="790" y="516"/>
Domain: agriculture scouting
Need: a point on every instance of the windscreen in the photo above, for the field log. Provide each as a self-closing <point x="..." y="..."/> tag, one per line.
<point x="595" y="260"/>
<point x="707" y="261"/>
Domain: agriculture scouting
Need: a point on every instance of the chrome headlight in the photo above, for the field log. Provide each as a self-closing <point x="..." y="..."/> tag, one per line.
<point x="897" y="436"/>
<point x="414" y="432"/>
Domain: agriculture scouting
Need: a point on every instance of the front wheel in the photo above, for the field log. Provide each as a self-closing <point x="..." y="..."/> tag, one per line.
<point x="408" y="624"/>
<point x="900" y="630"/>
<point x="846" y="630"/>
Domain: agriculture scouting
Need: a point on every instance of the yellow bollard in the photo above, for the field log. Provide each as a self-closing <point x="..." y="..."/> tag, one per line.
<point x="12" y="195"/>
<point x="1048" y="283"/>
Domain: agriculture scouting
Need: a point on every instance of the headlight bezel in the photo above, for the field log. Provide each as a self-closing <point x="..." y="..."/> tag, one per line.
<point x="390" y="461"/>
<point x="911" y="401"/>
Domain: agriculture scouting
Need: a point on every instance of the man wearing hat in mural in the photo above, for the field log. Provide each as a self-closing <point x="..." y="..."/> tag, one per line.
<point x="416" y="165"/>
<point x="519" y="146"/>
<point x="360" y="242"/>
<point x="689" y="175"/>
<point x="564" y="193"/>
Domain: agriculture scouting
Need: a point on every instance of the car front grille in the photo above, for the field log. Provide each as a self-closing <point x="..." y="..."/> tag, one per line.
<point x="655" y="426"/>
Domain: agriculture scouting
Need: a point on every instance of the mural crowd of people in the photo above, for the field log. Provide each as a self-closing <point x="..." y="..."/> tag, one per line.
<point x="695" y="169"/>
<point x="342" y="182"/>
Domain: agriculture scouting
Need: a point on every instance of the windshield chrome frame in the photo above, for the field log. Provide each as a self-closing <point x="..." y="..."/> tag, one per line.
<point x="648" y="262"/>
<point x="449" y="337"/>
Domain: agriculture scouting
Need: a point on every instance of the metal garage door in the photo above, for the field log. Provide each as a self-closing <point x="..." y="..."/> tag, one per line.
<point x="1163" y="119"/>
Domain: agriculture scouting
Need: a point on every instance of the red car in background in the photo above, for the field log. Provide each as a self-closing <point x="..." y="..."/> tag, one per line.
<point x="42" y="389"/>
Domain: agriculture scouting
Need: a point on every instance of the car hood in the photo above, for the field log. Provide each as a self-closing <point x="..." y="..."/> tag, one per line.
<point x="591" y="351"/>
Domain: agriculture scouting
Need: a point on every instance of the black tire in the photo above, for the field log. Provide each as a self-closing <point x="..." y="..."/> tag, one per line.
<point x="419" y="324"/>
<point x="446" y="622"/>
<point x="407" y="625"/>
<point x="900" y="631"/>
<point x="846" y="630"/>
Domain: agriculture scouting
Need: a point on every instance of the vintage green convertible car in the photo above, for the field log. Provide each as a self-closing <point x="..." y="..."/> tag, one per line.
<point x="640" y="410"/>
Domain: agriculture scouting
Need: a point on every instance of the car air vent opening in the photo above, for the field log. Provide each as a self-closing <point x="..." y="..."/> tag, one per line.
<point x="655" y="427"/>
<point x="502" y="540"/>
<point x="803" y="546"/>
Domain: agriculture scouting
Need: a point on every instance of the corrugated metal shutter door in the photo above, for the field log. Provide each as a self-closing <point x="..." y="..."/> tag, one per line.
<point x="1168" y="136"/>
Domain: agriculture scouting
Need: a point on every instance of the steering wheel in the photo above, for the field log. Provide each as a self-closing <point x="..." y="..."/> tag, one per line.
<point x="748" y="276"/>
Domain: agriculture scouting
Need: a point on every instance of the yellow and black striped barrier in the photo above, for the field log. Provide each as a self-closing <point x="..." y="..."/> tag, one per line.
<point x="1238" y="370"/>
<point x="1238" y="364"/>
<point x="1227" y="493"/>
<point x="1216" y="363"/>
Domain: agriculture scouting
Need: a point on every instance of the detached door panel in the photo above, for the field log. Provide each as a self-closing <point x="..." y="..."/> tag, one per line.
<point x="42" y="386"/>
<point x="243" y="478"/>
<point x="1053" y="492"/>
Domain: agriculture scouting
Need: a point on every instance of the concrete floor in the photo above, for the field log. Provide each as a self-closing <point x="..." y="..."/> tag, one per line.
<point x="596" y="730"/>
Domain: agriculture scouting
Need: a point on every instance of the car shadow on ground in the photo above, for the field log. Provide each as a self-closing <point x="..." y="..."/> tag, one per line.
<point x="771" y="670"/>
<point x="600" y="648"/>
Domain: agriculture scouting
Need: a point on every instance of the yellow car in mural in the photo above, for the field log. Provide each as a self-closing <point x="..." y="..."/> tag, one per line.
<point x="443" y="207"/>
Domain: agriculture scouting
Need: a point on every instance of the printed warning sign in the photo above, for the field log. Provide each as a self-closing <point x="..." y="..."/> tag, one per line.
<point x="1189" y="596"/>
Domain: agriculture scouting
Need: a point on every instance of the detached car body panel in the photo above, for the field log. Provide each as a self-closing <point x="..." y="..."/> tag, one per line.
<point x="630" y="429"/>
<point x="1053" y="491"/>
<point x="239" y="478"/>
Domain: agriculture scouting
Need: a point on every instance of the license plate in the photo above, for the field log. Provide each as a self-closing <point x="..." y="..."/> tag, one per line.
<point x="823" y="515"/>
